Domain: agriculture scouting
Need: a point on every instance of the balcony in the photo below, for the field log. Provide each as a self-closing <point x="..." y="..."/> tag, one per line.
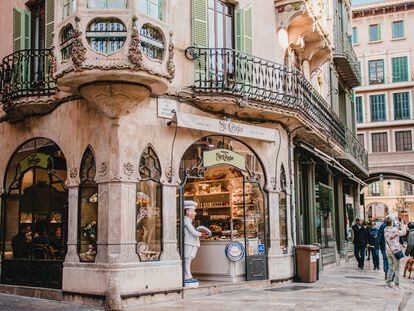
<point x="355" y="157"/>
<point x="225" y="72"/>
<point x="27" y="85"/>
<point x="345" y="60"/>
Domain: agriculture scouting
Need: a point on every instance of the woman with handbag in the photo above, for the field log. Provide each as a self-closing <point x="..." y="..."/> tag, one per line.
<point x="393" y="250"/>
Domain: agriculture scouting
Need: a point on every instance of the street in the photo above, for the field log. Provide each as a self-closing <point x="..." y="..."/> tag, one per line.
<point x="341" y="288"/>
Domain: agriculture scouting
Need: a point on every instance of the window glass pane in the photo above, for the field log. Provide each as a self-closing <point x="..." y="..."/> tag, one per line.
<point x="401" y="106"/>
<point x="398" y="29"/>
<point x="378" y="110"/>
<point x="403" y="141"/>
<point x="88" y="209"/>
<point x="376" y="71"/>
<point x="375" y="32"/>
<point x="143" y="6"/>
<point x="359" y="111"/>
<point x="283" y="221"/>
<point x="361" y="139"/>
<point x="354" y="35"/>
<point x="400" y="69"/>
<point x="379" y="142"/>
<point x="97" y="4"/>
<point x="106" y="36"/>
<point x="116" y="4"/>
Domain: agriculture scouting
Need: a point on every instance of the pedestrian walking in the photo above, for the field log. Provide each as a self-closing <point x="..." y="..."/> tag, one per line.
<point x="410" y="240"/>
<point x="381" y="242"/>
<point x="373" y="244"/>
<point x="394" y="251"/>
<point x="360" y="242"/>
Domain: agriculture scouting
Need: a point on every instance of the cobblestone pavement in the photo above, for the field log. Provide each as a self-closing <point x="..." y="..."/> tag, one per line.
<point x="342" y="288"/>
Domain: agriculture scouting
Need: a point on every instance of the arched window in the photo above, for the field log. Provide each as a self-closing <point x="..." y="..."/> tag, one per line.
<point x="66" y="40"/>
<point x="106" y="36"/>
<point x="152" y="42"/>
<point x="283" y="211"/>
<point x="148" y="208"/>
<point x="88" y="208"/>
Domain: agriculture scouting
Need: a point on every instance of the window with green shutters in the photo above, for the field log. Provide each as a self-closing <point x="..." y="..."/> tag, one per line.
<point x="401" y="105"/>
<point x="359" y="110"/>
<point x="152" y="8"/>
<point x="49" y="22"/>
<point x="375" y="32"/>
<point x="399" y="69"/>
<point x="398" y="29"/>
<point x="378" y="110"/>
<point x="21" y="30"/>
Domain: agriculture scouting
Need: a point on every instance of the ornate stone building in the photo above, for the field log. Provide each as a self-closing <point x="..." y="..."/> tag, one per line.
<point x="115" y="111"/>
<point x="384" y="103"/>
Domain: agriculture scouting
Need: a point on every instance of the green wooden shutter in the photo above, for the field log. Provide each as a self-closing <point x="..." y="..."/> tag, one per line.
<point x="200" y="27"/>
<point x="239" y="30"/>
<point x="17" y="29"/>
<point x="49" y="22"/>
<point x="27" y="33"/>
<point x="379" y="32"/>
<point x="248" y="31"/>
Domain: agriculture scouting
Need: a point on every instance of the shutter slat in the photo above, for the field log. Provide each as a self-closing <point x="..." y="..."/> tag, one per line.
<point x="200" y="30"/>
<point x="248" y="31"/>
<point x="49" y="21"/>
<point x="238" y="29"/>
<point x="17" y="30"/>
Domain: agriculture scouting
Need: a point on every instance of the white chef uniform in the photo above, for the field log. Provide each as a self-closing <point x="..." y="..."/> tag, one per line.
<point x="191" y="240"/>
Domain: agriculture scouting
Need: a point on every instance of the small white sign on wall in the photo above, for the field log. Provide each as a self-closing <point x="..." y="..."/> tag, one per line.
<point x="166" y="108"/>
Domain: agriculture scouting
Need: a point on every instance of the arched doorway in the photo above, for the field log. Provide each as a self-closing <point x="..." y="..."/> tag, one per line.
<point x="34" y="216"/>
<point x="226" y="179"/>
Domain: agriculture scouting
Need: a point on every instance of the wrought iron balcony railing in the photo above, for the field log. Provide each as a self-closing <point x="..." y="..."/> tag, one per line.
<point x="354" y="147"/>
<point x="344" y="49"/>
<point x="26" y="73"/>
<point x="227" y="71"/>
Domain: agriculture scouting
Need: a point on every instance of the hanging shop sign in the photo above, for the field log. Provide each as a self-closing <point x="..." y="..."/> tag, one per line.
<point x="223" y="156"/>
<point x="234" y="251"/>
<point x="35" y="160"/>
<point x="225" y="127"/>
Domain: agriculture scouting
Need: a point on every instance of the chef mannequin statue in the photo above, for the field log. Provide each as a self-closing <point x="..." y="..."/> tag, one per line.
<point x="191" y="241"/>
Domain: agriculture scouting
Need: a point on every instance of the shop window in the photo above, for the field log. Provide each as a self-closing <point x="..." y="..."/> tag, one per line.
<point x="106" y="36"/>
<point x="107" y="4"/>
<point x="152" y="8"/>
<point x="88" y="208"/>
<point x="152" y="42"/>
<point x="66" y="41"/>
<point x="69" y="7"/>
<point x="283" y="212"/>
<point x="148" y="207"/>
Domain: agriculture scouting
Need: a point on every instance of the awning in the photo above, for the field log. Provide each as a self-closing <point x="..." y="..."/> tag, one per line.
<point x="332" y="162"/>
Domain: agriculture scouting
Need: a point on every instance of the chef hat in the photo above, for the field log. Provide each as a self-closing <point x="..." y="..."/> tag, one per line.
<point x="189" y="204"/>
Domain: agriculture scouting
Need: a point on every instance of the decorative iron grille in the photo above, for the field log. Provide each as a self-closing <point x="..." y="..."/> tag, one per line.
<point x="221" y="70"/>
<point x="26" y="73"/>
<point x="354" y="147"/>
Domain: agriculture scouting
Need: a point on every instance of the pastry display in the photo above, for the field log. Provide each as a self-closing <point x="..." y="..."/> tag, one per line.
<point x="215" y="228"/>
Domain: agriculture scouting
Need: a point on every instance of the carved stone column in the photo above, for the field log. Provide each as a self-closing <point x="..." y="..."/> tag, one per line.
<point x="169" y="222"/>
<point x="274" y="228"/>
<point x="116" y="222"/>
<point x="72" y="244"/>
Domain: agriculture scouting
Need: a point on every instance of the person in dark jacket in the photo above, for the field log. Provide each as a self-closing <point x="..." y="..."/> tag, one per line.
<point x="381" y="242"/>
<point x="410" y="240"/>
<point x="373" y="244"/>
<point x="360" y="241"/>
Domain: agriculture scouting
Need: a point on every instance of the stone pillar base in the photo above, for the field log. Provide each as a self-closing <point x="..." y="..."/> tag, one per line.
<point x="280" y="267"/>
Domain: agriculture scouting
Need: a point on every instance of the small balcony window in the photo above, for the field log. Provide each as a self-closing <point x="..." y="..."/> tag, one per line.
<point x="106" y="36"/>
<point x="66" y="40"/>
<point x="69" y="7"/>
<point x="152" y="8"/>
<point x="152" y="42"/>
<point x="107" y="4"/>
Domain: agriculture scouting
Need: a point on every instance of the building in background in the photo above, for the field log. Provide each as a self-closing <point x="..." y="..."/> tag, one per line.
<point x="383" y="41"/>
<point x="115" y="111"/>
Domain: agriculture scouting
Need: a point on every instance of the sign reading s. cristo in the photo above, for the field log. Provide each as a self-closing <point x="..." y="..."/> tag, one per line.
<point x="223" y="156"/>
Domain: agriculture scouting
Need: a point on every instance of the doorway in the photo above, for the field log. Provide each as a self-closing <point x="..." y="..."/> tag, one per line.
<point x="34" y="216"/>
<point x="225" y="178"/>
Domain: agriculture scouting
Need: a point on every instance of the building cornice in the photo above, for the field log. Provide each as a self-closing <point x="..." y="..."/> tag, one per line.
<point x="381" y="8"/>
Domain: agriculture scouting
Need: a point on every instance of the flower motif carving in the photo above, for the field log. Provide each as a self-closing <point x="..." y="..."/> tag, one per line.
<point x="128" y="169"/>
<point x="51" y="59"/>
<point x="170" y="61"/>
<point x="103" y="170"/>
<point x="78" y="53"/>
<point x="73" y="172"/>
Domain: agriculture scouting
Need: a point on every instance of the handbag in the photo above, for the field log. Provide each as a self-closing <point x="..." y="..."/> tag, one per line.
<point x="399" y="254"/>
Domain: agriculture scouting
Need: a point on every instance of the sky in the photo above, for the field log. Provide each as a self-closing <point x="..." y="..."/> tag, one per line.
<point x="358" y="2"/>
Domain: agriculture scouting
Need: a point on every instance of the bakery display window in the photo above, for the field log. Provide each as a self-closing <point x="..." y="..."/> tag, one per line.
<point x="148" y="207"/>
<point x="88" y="208"/>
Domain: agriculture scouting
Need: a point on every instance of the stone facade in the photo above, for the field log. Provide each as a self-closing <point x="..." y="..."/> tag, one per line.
<point x="110" y="103"/>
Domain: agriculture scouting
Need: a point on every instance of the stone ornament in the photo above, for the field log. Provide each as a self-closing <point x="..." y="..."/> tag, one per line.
<point x="73" y="172"/>
<point x="103" y="170"/>
<point x="170" y="61"/>
<point x="78" y="53"/>
<point x="51" y="60"/>
<point x="128" y="169"/>
<point x="135" y="53"/>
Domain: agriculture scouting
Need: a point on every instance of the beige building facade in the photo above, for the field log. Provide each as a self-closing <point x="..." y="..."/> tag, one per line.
<point x="116" y="111"/>
<point x="384" y="101"/>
